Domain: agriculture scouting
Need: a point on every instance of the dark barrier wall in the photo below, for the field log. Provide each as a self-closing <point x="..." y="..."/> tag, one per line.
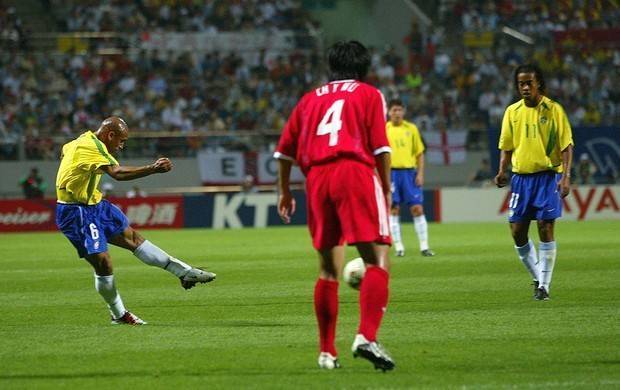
<point x="241" y="209"/>
<point x="234" y="210"/>
<point x="602" y="144"/>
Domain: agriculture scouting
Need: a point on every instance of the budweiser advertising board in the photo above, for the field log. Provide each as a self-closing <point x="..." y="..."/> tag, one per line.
<point x="39" y="215"/>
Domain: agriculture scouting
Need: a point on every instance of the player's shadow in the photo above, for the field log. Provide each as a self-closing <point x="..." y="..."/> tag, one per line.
<point x="129" y="374"/>
<point x="252" y="324"/>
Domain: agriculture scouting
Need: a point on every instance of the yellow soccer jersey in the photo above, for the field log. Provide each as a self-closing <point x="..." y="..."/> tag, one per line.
<point x="536" y="136"/>
<point x="79" y="174"/>
<point x="406" y="144"/>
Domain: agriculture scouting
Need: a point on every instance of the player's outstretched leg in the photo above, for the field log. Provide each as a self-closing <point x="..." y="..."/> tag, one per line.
<point x="189" y="276"/>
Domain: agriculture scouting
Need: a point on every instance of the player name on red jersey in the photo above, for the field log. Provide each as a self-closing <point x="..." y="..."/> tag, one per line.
<point x="336" y="87"/>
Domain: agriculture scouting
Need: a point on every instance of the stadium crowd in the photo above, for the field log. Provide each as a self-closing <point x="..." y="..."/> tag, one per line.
<point x="178" y="15"/>
<point x="445" y="82"/>
<point x="12" y="31"/>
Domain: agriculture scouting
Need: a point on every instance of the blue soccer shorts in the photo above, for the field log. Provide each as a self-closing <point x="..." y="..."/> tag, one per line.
<point x="404" y="189"/>
<point x="534" y="196"/>
<point x="90" y="227"/>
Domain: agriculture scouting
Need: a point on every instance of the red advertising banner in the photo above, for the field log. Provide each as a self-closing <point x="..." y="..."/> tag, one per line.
<point x="592" y="38"/>
<point x="152" y="212"/>
<point x="38" y="215"/>
<point x="27" y="215"/>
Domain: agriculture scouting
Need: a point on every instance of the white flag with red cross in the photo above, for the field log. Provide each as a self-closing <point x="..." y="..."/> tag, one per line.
<point x="445" y="147"/>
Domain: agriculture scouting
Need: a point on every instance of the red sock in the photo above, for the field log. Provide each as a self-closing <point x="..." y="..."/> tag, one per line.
<point x="373" y="301"/>
<point x="326" y="309"/>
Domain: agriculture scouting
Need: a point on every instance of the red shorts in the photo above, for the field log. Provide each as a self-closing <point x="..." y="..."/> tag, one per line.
<point x="346" y="204"/>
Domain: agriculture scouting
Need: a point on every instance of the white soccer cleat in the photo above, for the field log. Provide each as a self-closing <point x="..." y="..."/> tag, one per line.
<point x="128" y="319"/>
<point x="359" y="340"/>
<point x="327" y="361"/>
<point x="399" y="248"/>
<point x="196" y="275"/>
<point x="373" y="352"/>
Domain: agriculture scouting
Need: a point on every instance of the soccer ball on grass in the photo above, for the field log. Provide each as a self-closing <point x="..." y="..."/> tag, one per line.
<point x="353" y="272"/>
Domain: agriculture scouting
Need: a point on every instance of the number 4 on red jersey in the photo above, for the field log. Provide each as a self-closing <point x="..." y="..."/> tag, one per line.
<point x="343" y="118"/>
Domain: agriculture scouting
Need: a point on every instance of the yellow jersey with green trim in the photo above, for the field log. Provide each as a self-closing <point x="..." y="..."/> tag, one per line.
<point x="79" y="174"/>
<point x="406" y="144"/>
<point x="536" y="136"/>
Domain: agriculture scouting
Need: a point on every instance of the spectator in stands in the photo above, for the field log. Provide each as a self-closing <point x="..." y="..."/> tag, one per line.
<point x="585" y="169"/>
<point x="42" y="94"/>
<point x="136" y="192"/>
<point x="483" y="176"/>
<point x="247" y="185"/>
<point x="107" y="187"/>
<point x="33" y="185"/>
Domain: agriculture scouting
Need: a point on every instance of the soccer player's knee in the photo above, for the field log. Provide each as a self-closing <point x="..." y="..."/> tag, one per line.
<point x="102" y="263"/>
<point x="545" y="231"/>
<point x="520" y="237"/>
<point x="136" y="238"/>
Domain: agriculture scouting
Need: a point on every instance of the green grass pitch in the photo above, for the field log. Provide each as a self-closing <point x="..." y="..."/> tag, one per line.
<point x="463" y="319"/>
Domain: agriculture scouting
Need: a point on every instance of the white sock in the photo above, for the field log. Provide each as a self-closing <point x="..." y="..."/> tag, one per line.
<point x="527" y="254"/>
<point x="152" y="255"/>
<point x="421" y="229"/>
<point x="107" y="289"/>
<point x="395" y="225"/>
<point x="547" y="252"/>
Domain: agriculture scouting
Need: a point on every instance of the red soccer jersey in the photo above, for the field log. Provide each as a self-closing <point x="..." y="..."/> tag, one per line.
<point x="342" y="119"/>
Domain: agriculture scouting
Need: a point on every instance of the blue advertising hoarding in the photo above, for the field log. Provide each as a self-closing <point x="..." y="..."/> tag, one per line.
<point x="601" y="144"/>
<point x="259" y="209"/>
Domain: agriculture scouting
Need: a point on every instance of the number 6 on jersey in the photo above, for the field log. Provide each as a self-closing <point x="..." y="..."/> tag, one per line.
<point x="331" y="122"/>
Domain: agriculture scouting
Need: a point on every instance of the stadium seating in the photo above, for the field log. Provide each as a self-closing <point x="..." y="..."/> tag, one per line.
<point x="447" y="82"/>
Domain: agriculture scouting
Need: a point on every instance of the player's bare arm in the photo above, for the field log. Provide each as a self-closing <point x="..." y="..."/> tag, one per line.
<point x="286" y="202"/>
<point x="501" y="180"/>
<point x="384" y="163"/>
<point x="419" y="180"/>
<point x="123" y="173"/>
<point x="567" y="160"/>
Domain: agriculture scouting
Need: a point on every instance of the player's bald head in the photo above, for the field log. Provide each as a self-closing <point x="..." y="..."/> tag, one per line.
<point x="115" y="125"/>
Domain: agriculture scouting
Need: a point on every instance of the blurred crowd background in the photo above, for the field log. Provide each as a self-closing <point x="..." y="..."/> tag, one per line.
<point x="455" y="74"/>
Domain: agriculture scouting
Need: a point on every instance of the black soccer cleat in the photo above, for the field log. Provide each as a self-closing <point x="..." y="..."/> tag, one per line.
<point x="536" y="285"/>
<point x="427" y="253"/>
<point x="373" y="352"/>
<point x="541" y="294"/>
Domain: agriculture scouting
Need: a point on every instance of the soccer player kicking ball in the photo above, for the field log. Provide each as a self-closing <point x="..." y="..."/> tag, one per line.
<point x="336" y="134"/>
<point x="407" y="176"/>
<point x="537" y="140"/>
<point x="90" y="222"/>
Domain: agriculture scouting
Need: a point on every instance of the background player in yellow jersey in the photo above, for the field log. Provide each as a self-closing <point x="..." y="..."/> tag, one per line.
<point x="407" y="176"/>
<point x="537" y="140"/>
<point x="90" y="222"/>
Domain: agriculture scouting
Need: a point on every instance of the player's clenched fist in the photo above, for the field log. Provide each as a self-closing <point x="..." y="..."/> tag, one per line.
<point x="162" y="164"/>
<point x="501" y="180"/>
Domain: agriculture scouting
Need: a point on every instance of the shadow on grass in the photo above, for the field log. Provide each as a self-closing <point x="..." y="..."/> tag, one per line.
<point x="149" y="374"/>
